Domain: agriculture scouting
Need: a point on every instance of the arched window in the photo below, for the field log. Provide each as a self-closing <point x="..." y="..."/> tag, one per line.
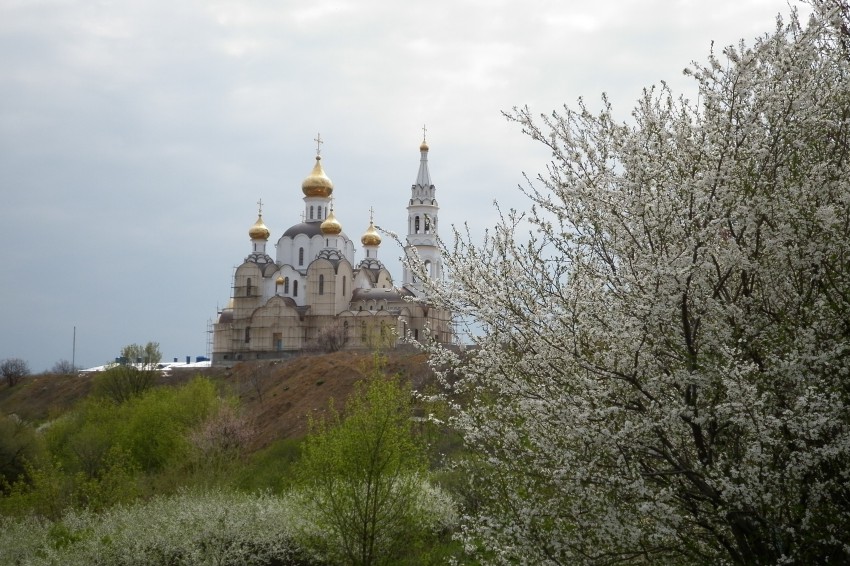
<point x="285" y="285"/>
<point x="300" y="256"/>
<point x="321" y="284"/>
<point x="427" y="224"/>
<point x="319" y="216"/>
<point x="416" y="225"/>
<point x="416" y="334"/>
<point x="345" y="330"/>
<point x="295" y="288"/>
<point x="311" y="212"/>
<point x="343" y="284"/>
<point x="428" y="269"/>
<point x="363" y="334"/>
<point x="247" y="334"/>
<point x="248" y="290"/>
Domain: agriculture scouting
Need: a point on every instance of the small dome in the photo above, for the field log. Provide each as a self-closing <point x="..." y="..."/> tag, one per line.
<point x="371" y="236"/>
<point x="279" y="280"/>
<point x="226" y="314"/>
<point x="423" y="146"/>
<point x="331" y="226"/>
<point x="259" y="231"/>
<point x="317" y="184"/>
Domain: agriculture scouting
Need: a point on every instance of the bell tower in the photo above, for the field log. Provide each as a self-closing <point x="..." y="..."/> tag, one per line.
<point x="422" y="216"/>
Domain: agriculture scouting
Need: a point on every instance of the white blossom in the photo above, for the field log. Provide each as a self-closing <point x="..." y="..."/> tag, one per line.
<point x="664" y="372"/>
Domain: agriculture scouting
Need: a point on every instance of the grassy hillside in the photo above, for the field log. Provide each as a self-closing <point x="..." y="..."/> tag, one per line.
<point x="278" y="396"/>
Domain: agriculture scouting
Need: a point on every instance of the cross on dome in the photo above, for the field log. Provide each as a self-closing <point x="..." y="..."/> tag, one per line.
<point x="260" y="207"/>
<point x="319" y="142"/>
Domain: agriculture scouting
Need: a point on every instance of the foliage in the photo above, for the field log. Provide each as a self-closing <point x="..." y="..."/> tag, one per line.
<point x="19" y="444"/>
<point x="331" y="339"/>
<point x="147" y="356"/>
<point x="13" y="369"/>
<point x="134" y="374"/>
<point x="271" y="468"/>
<point x="189" y="528"/>
<point x="63" y="367"/>
<point x="100" y="451"/>
<point x="44" y="491"/>
<point x="664" y="374"/>
<point x="362" y="477"/>
<point x="219" y="441"/>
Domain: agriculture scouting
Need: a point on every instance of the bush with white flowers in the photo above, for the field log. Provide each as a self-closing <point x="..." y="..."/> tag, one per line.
<point x="664" y="372"/>
<point x="213" y="528"/>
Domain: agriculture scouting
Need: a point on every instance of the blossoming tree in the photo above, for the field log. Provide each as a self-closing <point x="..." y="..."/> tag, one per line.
<point x="664" y="372"/>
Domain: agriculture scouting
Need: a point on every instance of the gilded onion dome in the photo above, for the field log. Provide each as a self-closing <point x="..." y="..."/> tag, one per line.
<point x="317" y="184"/>
<point x="371" y="236"/>
<point x="259" y="231"/>
<point x="279" y="280"/>
<point x="331" y="226"/>
<point x="423" y="146"/>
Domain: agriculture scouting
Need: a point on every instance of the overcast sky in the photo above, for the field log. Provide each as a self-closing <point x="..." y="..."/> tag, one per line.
<point x="137" y="135"/>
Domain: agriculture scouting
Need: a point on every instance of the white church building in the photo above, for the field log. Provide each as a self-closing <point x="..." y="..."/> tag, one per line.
<point x="314" y="294"/>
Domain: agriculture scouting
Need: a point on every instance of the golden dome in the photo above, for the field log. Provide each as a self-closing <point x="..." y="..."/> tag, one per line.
<point x="259" y="231"/>
<point x="279" y="280"/>
<point x="317" y="184"/>
<point x="371" y="236"/>
<point x="331" y="226"/>
<point x="423" y="146"/>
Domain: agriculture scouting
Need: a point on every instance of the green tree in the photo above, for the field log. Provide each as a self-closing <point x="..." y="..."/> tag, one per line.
<point x="135" y="373"/>
<point x="19" y="445"/>
<point x="362" y="474"/>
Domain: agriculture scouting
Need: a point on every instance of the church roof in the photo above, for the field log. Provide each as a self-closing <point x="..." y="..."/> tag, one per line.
<point x="310" y="229"/>
<point x="378" y="294"/>
<point x="423" y="177"/>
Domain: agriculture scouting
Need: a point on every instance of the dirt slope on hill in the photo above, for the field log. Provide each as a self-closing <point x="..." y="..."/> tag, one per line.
<point x="278" y="396"/>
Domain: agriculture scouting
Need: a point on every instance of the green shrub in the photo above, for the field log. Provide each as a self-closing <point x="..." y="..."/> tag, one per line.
<point x="271" y="468"/>
<point x="19" y="444"/>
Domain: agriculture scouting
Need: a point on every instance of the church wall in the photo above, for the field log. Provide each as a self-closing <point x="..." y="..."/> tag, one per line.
<point x="385" y="280"/>
<point x="321" y="288"/>
<point x="343" y="286"/>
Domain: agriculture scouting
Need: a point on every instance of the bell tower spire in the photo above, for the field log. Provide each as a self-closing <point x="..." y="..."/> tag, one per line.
<point x="422" y="213"/>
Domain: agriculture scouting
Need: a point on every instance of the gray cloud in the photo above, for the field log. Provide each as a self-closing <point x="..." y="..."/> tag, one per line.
<point x="136" y="137"/>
